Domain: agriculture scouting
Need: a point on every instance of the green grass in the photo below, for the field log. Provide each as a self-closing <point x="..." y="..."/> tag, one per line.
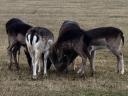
<point x="51" y="14"/>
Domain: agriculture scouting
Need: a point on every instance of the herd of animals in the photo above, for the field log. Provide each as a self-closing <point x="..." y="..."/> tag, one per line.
<point x="42" y="50"/>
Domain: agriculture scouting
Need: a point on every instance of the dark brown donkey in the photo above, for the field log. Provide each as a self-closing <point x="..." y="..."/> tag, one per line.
<point x="16" y="31"/>
<point x="110" y="38"/>
<point x="71" y="42"/>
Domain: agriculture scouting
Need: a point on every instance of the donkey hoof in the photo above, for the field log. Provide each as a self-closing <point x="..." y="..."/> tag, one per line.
<point x="17" y="69"/>
<point x="39" y="73"/>
<point x="93" y="74"/>
<point x="10" y="68"/>
<point x="122" y="72"/>
<point x="118" y="71"/>
<point x="80" y="75"/>
<point x="83" y="76"/>
<point x="79" y="71"/>
<point x="34" y="77"/>
<point x="45" y="76"/>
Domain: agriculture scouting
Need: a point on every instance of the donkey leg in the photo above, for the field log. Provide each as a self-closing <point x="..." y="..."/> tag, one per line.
<point x="45" y="63"/>
<point x="34" y="76"/>
<point x="15" y="51"/>
<point x="120" y="61"/>
<point x="122" y="64"/>
<point x="91" y="59"/>
<point x="10" y="49"/>
<point x="29" y="59"/>
<point x="34" y="71"/>
<point x="36" y="64"/>
<point x="15" y="58"/>
<point x="84" y="60"/>
<point x="92" y="65"/>
<point x="9" y="52"/>
<point x="40" y="64"/>
<point x="10" y="57"/>
<point x="18" y="56"/>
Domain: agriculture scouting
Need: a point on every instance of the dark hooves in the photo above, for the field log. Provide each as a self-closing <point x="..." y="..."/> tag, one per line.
<point x="92" y="74"/>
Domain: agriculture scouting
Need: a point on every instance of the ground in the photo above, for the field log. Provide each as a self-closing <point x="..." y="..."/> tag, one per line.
<point x="51" y="14"/>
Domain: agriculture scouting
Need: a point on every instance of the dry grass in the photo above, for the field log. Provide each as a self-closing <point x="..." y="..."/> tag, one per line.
<point x="50" y="14"/>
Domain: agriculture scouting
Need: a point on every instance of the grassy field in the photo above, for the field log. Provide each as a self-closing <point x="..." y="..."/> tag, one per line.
<point x="51" y="14"/>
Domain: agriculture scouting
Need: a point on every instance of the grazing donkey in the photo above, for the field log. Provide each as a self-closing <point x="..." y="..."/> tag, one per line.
<point x="72" y="41"/>
<point x="69" y="55"/>
<point x="39" y="40"/>
<point x="16" y="31"/>
<point x="107" y="37"/>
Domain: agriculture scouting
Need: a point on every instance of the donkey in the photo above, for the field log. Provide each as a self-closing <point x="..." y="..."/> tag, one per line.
<point x="103" y="37"/>
<point x="71" y="42"/>
<point x="68" y="54"/>
<point x="39" y="40"/>
<point x="16" y="30"/>
<point x="110" y="38"/>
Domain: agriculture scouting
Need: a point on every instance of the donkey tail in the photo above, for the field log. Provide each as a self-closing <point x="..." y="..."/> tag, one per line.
<point x="122" y="37"/>
<point x="32" y="38"/>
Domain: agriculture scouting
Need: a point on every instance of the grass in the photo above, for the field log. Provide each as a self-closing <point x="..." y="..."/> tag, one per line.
<point x="51" y="14"/>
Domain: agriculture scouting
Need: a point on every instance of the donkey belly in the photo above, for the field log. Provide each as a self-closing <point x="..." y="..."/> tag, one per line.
<point x="98" y="44"/>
